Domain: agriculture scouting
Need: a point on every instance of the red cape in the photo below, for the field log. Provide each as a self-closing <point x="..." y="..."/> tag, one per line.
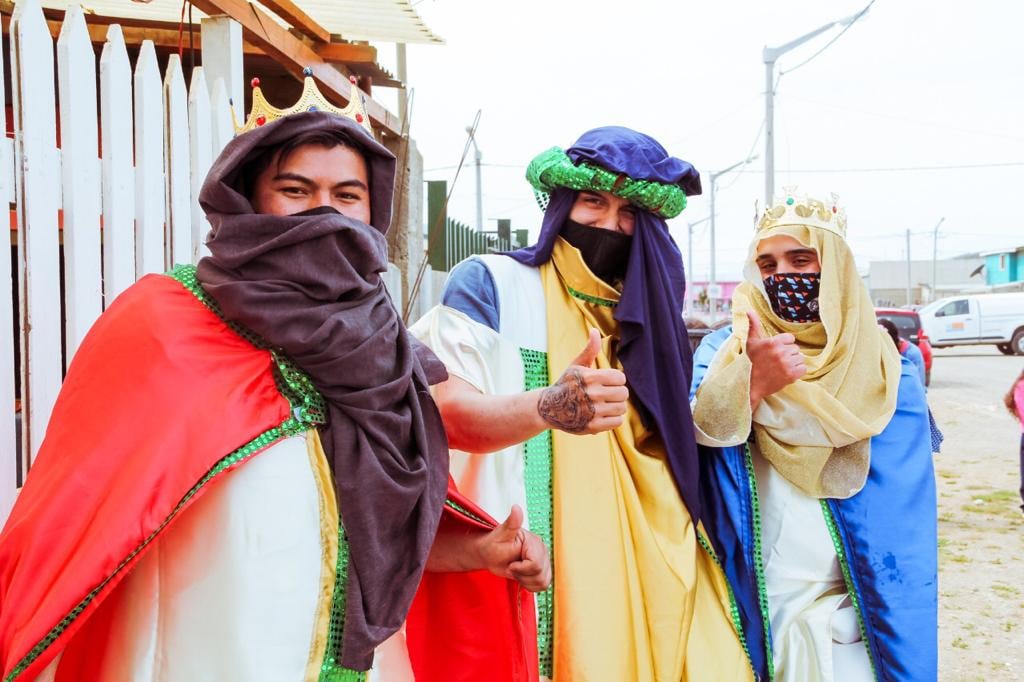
<point x="161" y="401"/>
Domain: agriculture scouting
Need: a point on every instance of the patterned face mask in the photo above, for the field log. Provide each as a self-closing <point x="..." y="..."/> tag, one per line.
<point x="794" y="295"/>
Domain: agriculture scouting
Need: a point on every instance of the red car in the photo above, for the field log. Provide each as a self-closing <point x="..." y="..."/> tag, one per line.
<point x="909" y="325"/>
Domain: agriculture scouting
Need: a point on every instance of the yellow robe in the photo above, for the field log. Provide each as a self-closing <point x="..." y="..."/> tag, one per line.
<point x="636" y="596"/>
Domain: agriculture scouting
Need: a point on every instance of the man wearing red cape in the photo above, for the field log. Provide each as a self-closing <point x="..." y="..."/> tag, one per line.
<point x="245" y="476"/>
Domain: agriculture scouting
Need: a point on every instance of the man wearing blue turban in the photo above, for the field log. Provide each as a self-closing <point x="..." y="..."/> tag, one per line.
<point x="569" y="365"/>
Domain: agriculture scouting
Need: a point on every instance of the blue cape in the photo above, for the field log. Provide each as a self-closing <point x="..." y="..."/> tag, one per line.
<point x="653" y="345"/>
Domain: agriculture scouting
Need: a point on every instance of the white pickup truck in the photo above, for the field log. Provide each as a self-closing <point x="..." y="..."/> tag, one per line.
<point x="994" y="319"/>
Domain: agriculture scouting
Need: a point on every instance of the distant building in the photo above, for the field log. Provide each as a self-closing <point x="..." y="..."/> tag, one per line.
<point x="887" y="280"/>
<point x="1004" y="270"/>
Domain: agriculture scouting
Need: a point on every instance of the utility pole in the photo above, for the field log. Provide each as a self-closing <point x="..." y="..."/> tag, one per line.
<point x="769" y="56"/>
<point x="478" y="157"/>
<point x="935" y="253"/>
<point x="690" y="272"/>
<point x="909" y="301"/>
<point x="712" y="284"/>
<point x="401" y="73"/>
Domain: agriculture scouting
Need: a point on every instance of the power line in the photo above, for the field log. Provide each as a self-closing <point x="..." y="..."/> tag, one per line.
<point x="829" y="43"/>
<point x="895" y="169"/>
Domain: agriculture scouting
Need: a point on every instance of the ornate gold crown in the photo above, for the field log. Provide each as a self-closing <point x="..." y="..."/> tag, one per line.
<point x="798" y="209"/>
<point x="263" y="112"/>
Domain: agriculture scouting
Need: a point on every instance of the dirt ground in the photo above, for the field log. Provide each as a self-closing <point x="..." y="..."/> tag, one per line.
<point x="981" y="527"/>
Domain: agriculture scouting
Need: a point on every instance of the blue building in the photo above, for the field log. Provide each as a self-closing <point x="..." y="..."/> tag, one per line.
<point x="1004" y="267"/>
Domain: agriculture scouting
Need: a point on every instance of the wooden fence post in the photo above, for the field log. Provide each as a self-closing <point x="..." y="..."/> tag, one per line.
<point x="38" y="173"/>
<point x="9" y="457"/>
<point x="80" y="178"/>
<point x="179" y="189"/>
<point x="150" y="250"/>
<point x="118" y="174"/>
<point x="200" y="122"/>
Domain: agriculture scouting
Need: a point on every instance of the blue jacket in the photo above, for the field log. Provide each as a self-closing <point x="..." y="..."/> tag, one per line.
<point x="886" y="533"/>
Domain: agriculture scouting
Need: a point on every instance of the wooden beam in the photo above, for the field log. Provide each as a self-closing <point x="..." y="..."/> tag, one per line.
<point x="290" y="12"/>
<point x="294" y="55"/>
<point x="163" y="38"/>
<point x="347" y="53"/>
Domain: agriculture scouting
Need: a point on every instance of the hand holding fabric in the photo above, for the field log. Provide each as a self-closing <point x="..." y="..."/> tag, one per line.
<point x="776" y="361"/>
<point x="585" y="400"/>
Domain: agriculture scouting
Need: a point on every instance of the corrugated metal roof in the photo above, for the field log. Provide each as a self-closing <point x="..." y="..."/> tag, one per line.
<point x="390" y="21"/>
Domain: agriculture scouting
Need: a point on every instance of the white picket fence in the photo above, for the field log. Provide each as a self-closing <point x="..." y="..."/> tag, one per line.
<point x="124" y="183"/>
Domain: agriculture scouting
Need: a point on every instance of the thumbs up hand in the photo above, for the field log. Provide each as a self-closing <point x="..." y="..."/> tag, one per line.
<point x="512" y="552"/>
<point x="776" y="361"/>
<point x="585" y="400"/>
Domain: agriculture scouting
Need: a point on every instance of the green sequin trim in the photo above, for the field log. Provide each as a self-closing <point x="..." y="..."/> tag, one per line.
<point x="553" y="168"/>
<point x="734" y="609"/>
<point x="762" y="593"/>
<point x="331" y="670"/>
<point x="837" y="541"/>
<point x="538" y="475"/>
<point x="465" y="512"/>
<point x="591" y="299"/>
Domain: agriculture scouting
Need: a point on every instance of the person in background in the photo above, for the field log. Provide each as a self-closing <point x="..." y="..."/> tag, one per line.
<point x="912" y="353"/>
<point x="1015" y="404"/>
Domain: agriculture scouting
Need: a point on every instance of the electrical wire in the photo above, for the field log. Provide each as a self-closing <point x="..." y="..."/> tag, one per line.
<point x="829" y="43"/>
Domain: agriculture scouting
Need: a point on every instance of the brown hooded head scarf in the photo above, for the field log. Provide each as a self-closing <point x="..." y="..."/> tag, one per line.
<point x="311" y="285"/>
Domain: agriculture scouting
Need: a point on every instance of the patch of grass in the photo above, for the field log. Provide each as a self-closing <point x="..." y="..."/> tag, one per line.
<point x="959" y="559"/>
<point x="1005" y="590"/>
<point x="943" y="542"/>
<point x="959" y="643"/>
<point x="952" y="475"/>
<point x="1008" y="626"/>
<point x="996" y="503"/>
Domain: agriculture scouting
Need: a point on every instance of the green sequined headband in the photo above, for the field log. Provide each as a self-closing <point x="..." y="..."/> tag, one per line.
<point x="554" y="168"/>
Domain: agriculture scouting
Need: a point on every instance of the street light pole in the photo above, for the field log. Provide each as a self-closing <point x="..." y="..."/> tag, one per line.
<point x="712" y="299"/>
<point x="769" y="56"/>
<point x="690" y="273"/>
<point x="935" y="253"/>
<point x="478" y="157"/>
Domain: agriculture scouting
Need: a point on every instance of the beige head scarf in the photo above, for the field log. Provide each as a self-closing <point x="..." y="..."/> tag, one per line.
<point x="816" y="432"/>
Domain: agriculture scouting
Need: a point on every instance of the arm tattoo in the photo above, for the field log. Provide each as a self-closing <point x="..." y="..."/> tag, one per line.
<point x="566" y="405"/>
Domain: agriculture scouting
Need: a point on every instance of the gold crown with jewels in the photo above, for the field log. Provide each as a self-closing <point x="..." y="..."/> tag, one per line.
<point x="793" y="208"/>
<point x="263" y="112"/>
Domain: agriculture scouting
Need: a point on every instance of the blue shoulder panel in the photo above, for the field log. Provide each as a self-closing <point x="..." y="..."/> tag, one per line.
<point x="470" y="289"/>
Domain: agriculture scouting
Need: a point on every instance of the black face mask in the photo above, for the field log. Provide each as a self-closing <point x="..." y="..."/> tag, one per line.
<point x="794" y="295"/>
<point x="319" y="210"/>
<point x="606" y="252"/>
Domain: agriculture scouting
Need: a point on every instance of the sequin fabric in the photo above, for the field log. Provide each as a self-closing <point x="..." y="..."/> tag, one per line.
<point x="553" y="168"/>
<point x="331" y="670"/>
<point x="591" y="299"/>
<point x="539" y="505"/>
<point x="837" y="541"/>
<point x="762" y="594"/>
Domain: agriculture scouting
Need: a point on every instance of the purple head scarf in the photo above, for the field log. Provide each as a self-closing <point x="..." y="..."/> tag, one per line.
<point x="653" y="346"/>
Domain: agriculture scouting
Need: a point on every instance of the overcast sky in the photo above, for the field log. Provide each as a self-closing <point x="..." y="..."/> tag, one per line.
<point x="915" y="83"/>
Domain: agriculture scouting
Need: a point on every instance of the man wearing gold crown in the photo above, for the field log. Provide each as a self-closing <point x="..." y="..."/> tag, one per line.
<point x="245" y="474"/>
<point x="569" y="371"/>
<point x="816" y="463"/>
